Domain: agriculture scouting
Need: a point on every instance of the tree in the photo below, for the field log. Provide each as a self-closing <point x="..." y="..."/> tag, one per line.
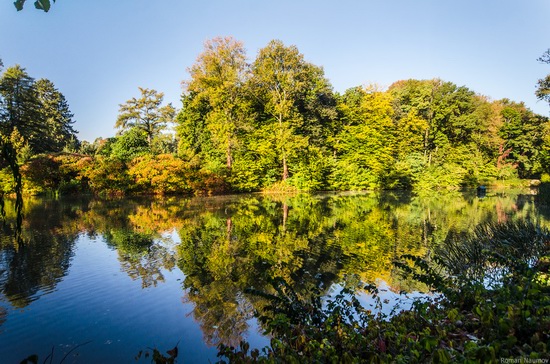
<point x="295" y="99"/>
<point x="523" y="134"/>
<point x="145" y="113"/>
<point x="131" y="144"/>
<point x="364" y="146"/>
<point x="37" y="110"/>
<point x="56" y="116"/>
<point x="543" y="85"/>
<point x="217" y="80"/>
<point x="21" y="108"/>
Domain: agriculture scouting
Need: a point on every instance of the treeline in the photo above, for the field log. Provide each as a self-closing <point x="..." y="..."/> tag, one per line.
<point x="276" y="123"/>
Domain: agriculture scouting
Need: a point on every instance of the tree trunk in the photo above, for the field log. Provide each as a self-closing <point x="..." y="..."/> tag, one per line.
<point x="285" y="168"/>
<point x="228" y="155"/>
<point x="229" y="229"/>
<point x="285" y="215"/>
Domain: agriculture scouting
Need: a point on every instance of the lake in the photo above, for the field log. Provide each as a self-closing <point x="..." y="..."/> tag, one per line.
<point x="103" y="280"/>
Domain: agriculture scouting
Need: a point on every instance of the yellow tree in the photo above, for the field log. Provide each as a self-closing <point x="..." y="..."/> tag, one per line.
<point x="217" y="80"/>
<point x="280" y="78"/>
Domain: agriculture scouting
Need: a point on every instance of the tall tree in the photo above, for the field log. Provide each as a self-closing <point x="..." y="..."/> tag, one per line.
<point x="295" y="99"/>
<point x="364" y="146"/>
<point x="523" y="134"/>
<point x="145" y="113"/>
<point x="543" y="85"/>
<point x="56" y="115"/>
<point x="21" y="106"/>
<point x="37" y="110"/>
<point x="217" y="83"/>
<point x="19" y="122"/>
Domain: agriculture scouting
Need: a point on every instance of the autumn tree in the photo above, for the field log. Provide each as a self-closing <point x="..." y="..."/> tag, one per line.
<point x="145" y="113"/>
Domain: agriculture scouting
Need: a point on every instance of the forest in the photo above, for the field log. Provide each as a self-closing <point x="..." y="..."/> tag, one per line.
<point x="272" y="123"/>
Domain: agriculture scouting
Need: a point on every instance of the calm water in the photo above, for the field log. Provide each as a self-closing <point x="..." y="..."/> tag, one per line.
<point x="117" y="277"/>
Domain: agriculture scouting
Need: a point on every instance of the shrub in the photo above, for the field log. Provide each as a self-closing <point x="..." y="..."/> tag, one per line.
<point x="161" y="174"/>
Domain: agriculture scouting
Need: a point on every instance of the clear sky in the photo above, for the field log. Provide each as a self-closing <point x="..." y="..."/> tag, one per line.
<point x="98" y="52"/>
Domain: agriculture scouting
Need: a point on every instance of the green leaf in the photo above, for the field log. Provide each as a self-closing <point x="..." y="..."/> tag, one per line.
<point x="42" y="5"/>
<point x="19" y="4"/>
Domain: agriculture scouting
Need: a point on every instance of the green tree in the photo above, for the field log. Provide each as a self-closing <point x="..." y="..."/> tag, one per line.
<point x="21" y="108"/>
<point x="57" y="117"/>
<point x="523" y="133"/>
<point x="217" y="80"/>
<point x="37" y="110"/>
<point x="18" y="115"/>
<point x="131" y="144"/>
<point x="295" y="101"/>
<point x="448" y="128"/>
<point x="364" y="146"/>
<point x="145" y="113"/>
<point x="543" y="85"/>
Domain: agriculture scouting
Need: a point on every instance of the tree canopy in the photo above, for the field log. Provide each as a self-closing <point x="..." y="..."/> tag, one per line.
<point x="273" y="122"/>
<point x="145" y="113"/>
<point x="543" y="85"/>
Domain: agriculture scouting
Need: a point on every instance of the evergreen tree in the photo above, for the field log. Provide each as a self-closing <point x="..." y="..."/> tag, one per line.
<point x="21" y="108"/>
<point x="58" y="119"/>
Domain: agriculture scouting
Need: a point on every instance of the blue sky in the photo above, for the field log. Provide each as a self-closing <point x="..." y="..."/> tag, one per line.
<point x="98" y="52"/>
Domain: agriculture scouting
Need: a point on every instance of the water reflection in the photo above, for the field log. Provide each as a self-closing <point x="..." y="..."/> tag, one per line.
<point x="39" y="259"/>
<point x="225" y="245"/>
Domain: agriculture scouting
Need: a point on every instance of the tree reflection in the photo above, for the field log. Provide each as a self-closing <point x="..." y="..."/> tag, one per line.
<point x="41" y="256"/>
<point x="134" y="228"/>
<point x="232" y="243"/>
<point x="313" y="242"/>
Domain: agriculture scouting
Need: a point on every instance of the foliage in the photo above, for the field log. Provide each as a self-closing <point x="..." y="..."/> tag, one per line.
<point x="145" y="113"/>
<point x="523" y="131"/>
<point x="129" y="145"/>
<point x="365" y="145"/>
<point x="278" y="120"/>
<point x="161" y="174"/>
<point x="543" y="85"/>
<point x="470" y="322"/>
<point x="274" y="123"/>
<point x="37" y="110"/>
<point x="106" y="176"/>
<point x="39" y="4"/>
<point x="295" y="102"/>
<point x="57" y="117"/>
<point x="217" y="89"/>
<point x="34" y="117"/>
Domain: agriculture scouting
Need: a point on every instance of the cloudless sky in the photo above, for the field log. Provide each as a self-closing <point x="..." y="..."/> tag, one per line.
<point x="98" y="52"/>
